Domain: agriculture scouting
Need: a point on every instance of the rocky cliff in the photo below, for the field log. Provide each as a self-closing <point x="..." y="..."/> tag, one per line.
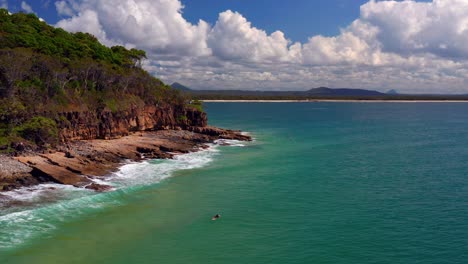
<point x="84" y="160"/>
<point x="106" y="124"/>
<point x="85" y="151"/>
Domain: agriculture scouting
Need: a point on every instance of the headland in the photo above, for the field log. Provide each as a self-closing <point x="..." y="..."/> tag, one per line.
<point x="79" y="162"/>
<point x="72" y="108"/>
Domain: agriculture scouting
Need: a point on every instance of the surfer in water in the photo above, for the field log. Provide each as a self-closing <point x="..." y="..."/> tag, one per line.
<point x="216" y="217"/>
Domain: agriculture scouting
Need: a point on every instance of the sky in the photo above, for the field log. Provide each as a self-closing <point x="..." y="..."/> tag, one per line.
<point x="411" y="46"/>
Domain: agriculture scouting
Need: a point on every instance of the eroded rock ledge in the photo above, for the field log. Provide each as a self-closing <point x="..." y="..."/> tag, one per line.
<point x="82" y="160"/>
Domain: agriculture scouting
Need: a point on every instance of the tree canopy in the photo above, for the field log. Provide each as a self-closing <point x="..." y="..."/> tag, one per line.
<point x="45" y="71"/>
<point x="28" y="31"/>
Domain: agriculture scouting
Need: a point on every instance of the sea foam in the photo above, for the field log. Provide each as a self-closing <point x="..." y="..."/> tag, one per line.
<point x="36" y="211"/>
<point x="230" y="142"/>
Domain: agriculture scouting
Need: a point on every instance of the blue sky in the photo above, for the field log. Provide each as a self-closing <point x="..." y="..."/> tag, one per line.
<point x="299" y="19"/>
<point x="414" y="46"/>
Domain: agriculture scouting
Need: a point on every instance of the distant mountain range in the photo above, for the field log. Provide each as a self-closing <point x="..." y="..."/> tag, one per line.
<point x="342" y="92"/>
<point x="180" y="87"/>
<point x="321" y="91"/>
<point x="315" y="93"/>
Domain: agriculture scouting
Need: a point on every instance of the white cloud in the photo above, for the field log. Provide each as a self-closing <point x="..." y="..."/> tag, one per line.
<point x="27" y="8"/>
<point x="87" y="21"/>
<point x="64" y="9"/>
<point x="408" y="27"/>
<point x="404" y="45"/>
<point x="156" y="26"/>
<point x="234" y="38"/>
<point x="4" y="4"/>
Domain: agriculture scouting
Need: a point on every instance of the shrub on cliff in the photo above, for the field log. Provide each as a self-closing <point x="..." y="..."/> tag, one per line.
<point x="197" y="104"/>
<point x="40" y="130"/>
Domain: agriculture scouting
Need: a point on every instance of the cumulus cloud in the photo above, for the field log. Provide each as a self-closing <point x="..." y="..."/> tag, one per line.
<point x="156" y="26"/>
<point x="389" y="28"/>
<point x="234" y="38"/>
<point x="392" y="44"/>
<point x="87" y="21"/>
<point x="408" y="27"/>
<point x="26" y="8"/>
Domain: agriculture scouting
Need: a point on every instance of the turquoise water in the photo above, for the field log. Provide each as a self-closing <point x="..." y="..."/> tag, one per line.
<point x="321" y="183"/>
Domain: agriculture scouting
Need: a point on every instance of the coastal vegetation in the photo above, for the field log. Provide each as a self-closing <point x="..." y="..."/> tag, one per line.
<point x="46" y="71"/>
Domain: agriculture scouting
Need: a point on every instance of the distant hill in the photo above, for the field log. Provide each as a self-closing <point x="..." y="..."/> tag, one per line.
<point x="320" y="92"/>
<point x="180" y="87"/>
<point x="312" y="94"/>
<point x="342" y="92"/>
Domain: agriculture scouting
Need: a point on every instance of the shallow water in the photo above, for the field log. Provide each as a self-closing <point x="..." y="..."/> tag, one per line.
<point x="321" y="183"/>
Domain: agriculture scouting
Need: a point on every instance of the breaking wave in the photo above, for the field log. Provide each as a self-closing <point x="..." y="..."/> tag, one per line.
<point x="33" y="211"/>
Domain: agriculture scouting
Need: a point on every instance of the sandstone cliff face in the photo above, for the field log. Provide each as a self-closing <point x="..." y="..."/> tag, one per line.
<point x="88" y="154"/>
<point x="107" y="124"/>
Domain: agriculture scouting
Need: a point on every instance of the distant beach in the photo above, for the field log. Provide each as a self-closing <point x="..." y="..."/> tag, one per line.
<point x="334" y="101"/>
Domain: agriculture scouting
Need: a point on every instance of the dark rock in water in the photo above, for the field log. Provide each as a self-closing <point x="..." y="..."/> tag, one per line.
<point x="98" y="187"/>
<point x="8" y="187"/>
<point x="220" y="133"/>
<point x="222" y="143"/>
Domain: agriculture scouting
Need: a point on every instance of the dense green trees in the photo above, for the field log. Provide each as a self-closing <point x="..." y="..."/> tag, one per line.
<point x="45" y="71"/>
<point x="26" y="30"/>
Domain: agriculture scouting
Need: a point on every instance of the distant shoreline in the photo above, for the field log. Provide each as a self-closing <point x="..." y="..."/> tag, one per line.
<point x="334" y="101"/>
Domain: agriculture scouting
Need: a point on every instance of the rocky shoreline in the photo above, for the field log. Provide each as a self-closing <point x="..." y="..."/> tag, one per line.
<point x="80" y="161"/>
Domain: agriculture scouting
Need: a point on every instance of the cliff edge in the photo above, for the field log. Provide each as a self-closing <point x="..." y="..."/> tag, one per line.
<point x="72" y="109"/>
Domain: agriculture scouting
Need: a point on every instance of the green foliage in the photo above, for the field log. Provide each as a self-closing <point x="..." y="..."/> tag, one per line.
<point x="182" y="118"/>
<point x="46" y="71"/>
<point x="197" y="104"/>
<point x="40" y="130"/>
<point x="26" y="30"/>
<point x="4" y="142"/>
<point x="111" y="104"/>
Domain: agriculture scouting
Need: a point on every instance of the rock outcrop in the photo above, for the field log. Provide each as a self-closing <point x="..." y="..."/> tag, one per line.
<point x="93" y="144"/>
<point x="98" y="187"/>
<point x="14" y="174"/>
<point x="220" y="133"/>
<point x="83" y="160"/>
<point x="106" y="124"/>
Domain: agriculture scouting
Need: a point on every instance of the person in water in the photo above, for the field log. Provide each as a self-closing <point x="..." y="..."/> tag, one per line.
<point x="216" y="217"/>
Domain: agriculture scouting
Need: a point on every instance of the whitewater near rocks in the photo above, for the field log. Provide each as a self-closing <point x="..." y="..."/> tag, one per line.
<point x="84" y="160"/>
<point x="26" y="212"/>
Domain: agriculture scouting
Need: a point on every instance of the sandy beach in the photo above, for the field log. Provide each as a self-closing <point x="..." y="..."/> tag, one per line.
<point x="334" y="101"/>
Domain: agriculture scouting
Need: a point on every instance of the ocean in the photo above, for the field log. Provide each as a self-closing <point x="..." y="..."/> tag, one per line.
<point x="321" y="183"/>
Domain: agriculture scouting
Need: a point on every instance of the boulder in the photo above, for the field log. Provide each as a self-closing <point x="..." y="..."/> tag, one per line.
<point x="98" y="187"/>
